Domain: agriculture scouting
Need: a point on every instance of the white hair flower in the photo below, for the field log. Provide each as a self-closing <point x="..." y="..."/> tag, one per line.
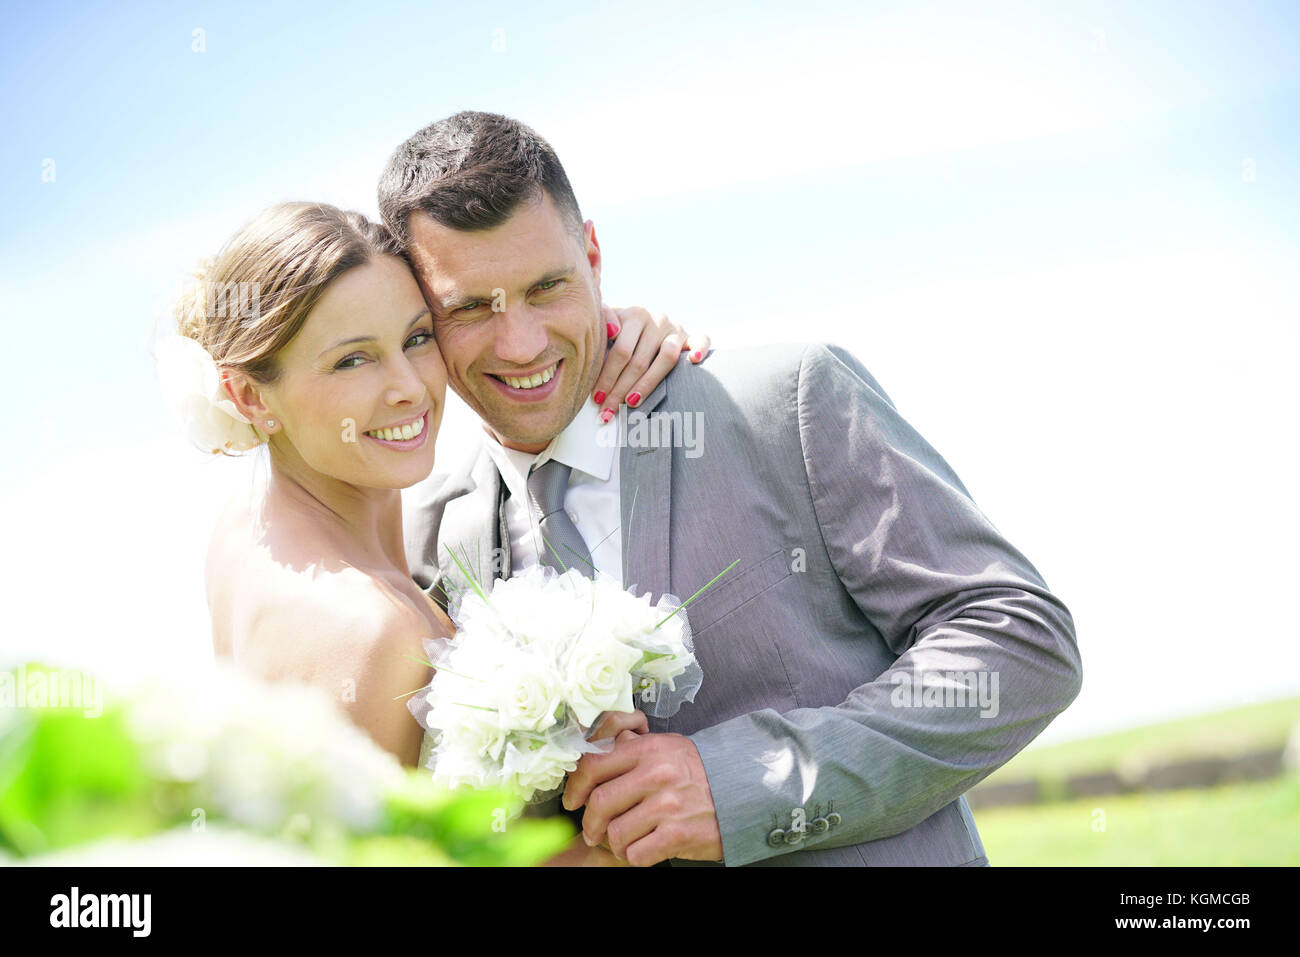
<point x="191" y="386"/>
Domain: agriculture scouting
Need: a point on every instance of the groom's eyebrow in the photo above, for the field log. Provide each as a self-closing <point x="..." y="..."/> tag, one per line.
<point x="355" y="339"/>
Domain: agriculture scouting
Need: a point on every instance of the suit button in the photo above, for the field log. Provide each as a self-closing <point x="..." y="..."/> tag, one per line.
<point x="793" y="837"/>
<point x="833" y="819"/>
<point x="820" y="825"/>
<point x="776" y="837"/>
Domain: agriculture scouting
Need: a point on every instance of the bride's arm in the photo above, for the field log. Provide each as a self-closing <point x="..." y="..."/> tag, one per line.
<point x="388" y="669"/>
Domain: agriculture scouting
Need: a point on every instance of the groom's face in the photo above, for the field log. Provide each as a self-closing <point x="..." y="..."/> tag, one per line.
<point x="517" y="314"/>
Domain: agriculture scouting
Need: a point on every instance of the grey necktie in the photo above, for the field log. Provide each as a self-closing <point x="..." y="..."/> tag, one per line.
<point x="562" y="543"/>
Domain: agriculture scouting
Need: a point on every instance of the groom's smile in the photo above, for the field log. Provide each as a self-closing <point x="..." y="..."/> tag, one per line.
<point x="530" y="386"/>
<point x="517" y="315"/>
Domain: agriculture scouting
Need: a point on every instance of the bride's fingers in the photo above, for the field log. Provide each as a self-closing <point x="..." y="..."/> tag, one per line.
<point x="655" y="355"/>
<point x="624" y="327"/>
<point x="615" y="723"/>
<point x="698" y="346"/>
<point x="657" y="370"/>
<point x="645" y="349"/>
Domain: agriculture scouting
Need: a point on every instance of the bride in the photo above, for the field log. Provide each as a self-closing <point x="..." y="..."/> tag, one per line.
<point x="329" y="359"/>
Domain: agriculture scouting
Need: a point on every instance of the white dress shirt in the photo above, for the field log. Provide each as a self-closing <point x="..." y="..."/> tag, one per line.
<point x="590" y="448"/>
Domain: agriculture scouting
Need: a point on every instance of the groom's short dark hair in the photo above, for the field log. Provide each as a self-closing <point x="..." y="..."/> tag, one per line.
<point x="472" y="171"/>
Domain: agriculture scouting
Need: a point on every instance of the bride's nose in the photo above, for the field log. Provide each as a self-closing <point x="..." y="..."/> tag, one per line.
<point x="404" y="385"/>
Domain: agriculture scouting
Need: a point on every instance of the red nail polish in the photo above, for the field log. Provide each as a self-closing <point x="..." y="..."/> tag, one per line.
<point x="600" y="397"/>
<point x="633" y="399"/>
<point x="696" y="356"/>
<point x="611" y="330"/>
<point x="607" y="415"/>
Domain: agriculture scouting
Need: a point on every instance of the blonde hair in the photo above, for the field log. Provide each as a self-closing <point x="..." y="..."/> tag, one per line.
<point x="250" y="300"/>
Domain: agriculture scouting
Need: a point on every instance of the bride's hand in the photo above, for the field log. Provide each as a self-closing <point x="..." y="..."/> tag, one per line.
<point x="645" y="349"/>
<point x="578" y="854"/>
<point x="613" y="723"/>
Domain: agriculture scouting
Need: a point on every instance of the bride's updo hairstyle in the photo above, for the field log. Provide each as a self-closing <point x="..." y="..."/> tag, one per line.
<point x="253" y="297"/>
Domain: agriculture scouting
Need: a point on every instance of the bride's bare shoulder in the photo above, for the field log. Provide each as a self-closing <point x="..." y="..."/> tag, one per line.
<point x="286" y="599"/>
<point x="298" y="612"/>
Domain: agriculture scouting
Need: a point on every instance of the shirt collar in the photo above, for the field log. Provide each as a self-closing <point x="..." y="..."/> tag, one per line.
<point x="579" y="446"/>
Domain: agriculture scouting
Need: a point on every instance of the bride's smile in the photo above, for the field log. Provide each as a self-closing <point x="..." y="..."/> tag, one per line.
<point x="403" y="435"/>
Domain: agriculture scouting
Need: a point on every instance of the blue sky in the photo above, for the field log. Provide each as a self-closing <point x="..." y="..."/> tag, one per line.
<point x="1063" y="236"/>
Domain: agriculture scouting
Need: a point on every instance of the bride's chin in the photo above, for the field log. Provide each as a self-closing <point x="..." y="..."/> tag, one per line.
<point x="405" y="477"/>
<point x="415" y="481"/>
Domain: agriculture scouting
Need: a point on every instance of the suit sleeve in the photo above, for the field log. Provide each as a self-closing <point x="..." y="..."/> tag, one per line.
<point x="950" y="596"/>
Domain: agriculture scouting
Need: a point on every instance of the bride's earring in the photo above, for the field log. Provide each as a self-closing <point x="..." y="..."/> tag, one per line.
<point x="270" y="423"/>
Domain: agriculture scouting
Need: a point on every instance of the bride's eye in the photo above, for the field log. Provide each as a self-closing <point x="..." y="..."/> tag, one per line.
<point x="419" y="338"/>
<point x="351" y="362"/>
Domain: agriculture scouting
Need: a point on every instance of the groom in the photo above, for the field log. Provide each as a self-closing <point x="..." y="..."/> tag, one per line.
<point x="878" y="649"/>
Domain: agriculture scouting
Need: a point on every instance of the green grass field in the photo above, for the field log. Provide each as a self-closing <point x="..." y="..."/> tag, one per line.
<point x="1243" y="824"/>
<point x="1225" y="733"/>
<point x="1256" y="823"/>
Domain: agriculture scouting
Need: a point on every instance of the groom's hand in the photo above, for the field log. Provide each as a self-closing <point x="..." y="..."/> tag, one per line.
<point x="648" y="799"/>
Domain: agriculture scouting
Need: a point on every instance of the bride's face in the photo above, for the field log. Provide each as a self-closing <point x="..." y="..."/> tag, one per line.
<point x="361" y="387"/>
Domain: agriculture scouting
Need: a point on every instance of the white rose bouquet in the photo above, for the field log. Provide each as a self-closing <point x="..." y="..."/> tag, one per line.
<point x="534" y="664"/>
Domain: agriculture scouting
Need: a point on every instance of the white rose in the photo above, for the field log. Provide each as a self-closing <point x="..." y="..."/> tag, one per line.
<point x="538" y="609"/>
<point x="191" y="387"/>
<point x="528" y="692"/>
<point x="597" y="678"/>
<point x="664" y="670"/>
<point x="455" y="767"/>
<point x="537" y="765"/>
<point x="669" y="635"/>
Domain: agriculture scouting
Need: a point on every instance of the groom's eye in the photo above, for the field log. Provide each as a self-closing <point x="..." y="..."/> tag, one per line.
<point x="549" y="284"/>
<point x="469" y="306"/>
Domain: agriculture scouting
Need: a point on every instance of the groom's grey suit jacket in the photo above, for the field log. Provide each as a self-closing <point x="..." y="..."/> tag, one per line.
<point x="834" y="721"/>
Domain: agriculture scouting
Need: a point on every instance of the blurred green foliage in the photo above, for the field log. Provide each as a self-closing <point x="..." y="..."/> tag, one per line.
<point x="68" y="778"/>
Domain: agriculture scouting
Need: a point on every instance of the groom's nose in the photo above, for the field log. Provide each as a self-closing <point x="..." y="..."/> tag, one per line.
<point x="520" y="334"/>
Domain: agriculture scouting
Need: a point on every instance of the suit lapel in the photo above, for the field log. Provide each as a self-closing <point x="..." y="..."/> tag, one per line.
<point x="645" y="493"/>
<point x="470" y="528"/>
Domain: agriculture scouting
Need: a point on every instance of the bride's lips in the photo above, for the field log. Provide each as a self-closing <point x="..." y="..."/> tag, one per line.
<point x="537" y="394"/>
<point x="405" y="445"/>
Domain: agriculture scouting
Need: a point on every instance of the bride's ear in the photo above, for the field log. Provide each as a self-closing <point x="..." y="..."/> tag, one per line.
<point x="248" y="398"/>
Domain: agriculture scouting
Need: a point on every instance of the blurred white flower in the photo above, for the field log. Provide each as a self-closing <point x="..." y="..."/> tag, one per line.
<point x="214" y="846"/>
<point x="191" y="387"/>
<point x="261" y="754"/>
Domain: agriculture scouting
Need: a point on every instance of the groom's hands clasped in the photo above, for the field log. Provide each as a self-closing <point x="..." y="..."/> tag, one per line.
<point x="648" y="800"/>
